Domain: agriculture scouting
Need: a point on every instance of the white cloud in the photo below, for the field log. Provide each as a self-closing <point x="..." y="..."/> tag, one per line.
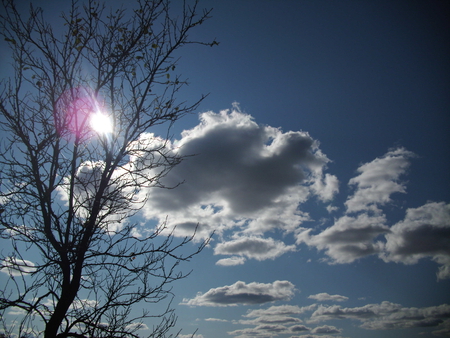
<point x="331" y="208"/>
<point x="243" y="175"/>
<point x="231" y="261"/>
<point x="253" y="247"/>
<point x="138" y="326"/>
<point x="325" y="186"/>
<point x="425" y="232"/>
<point x="349" y="238"/>
<point x="216" y="320"/>
<point x="79" y="304"/>
<point x="241" y="293"/>
<point x="17" y="267"/>
<point x="323" y="296"/>
<point x="17" y="312"/>
<point x="378" y="180"/>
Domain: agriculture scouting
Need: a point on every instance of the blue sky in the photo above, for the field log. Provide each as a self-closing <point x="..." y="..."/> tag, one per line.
<point x="323" y="168"/>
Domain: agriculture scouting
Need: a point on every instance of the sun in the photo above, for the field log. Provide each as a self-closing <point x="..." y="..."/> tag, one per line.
<point x="101" y="123"/>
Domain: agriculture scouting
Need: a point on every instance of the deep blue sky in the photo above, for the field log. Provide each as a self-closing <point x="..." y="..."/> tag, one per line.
<point x="361" y="77"/>
<point x="370" y="82"/>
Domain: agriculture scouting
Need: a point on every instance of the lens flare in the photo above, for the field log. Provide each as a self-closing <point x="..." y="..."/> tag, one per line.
<point x="81" y="113"/>
<point x="101" y="123"/>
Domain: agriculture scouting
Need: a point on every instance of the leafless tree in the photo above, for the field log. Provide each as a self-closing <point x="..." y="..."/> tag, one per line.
<point x="69" y="188"/>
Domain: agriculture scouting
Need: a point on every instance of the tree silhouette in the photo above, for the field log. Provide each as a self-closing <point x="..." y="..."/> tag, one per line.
<point x="77" y="160"/>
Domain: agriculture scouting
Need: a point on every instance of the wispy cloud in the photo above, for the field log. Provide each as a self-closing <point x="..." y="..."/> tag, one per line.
<point x="241" y="293"/>
<point x="231" y="261"/>
<point x="378" y="180"/>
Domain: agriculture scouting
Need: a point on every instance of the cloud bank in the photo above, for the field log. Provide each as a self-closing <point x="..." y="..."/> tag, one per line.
<point x="287" y="319"/>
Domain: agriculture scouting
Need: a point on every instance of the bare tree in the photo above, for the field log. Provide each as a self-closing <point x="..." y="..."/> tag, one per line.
<point x="77" y="159"/>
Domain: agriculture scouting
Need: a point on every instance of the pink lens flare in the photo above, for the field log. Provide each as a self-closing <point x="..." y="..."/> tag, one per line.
<point x="75" y="110"/>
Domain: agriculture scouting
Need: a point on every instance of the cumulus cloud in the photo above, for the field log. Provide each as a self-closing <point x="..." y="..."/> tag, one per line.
<point x="253" y="247"/>
<point x="323" y="296"/>
<point x="243" y="175"/>
<point x="424" y="232"/>
<point x="241" y="293"/>
<point x="386" y="315"/>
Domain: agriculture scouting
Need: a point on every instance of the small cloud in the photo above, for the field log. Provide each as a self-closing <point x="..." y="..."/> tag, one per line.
<point x="232" y="261"/>
<point x="17" y="267"/>
<point x="299" y="328"/>
<point x="322" y="297"/>
<point x="325" y="186"/>
<point x="241" y="293"/>
<point x="138" y="326"/>
<point x="253" y="247"/>
<point x="216" y="320"/>
<point x="331" y="208"/>
<point x="326" y="329"/>
<point x="378" y="180"/>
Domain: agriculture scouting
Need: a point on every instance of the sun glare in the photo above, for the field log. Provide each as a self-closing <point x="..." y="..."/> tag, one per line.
<point x="101" y="123"/>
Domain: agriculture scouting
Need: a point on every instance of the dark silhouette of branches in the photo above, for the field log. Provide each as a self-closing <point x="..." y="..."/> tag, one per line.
<point x="68" y="188"/>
